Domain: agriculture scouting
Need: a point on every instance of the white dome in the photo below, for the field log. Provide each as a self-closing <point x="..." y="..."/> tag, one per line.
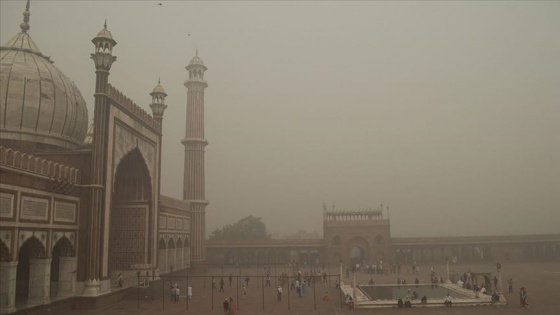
<point x="37" y="101"/>
<point x="196" y="61"/>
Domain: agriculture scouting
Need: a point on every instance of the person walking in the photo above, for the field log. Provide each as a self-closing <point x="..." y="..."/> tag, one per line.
<point x="222" y="284"/>
<point x="244" y="291"/>
<point x="230" y="279"/>
<point x="510" y="285"/>
<point x="279" y="293"/>
<point x="226" y="306"/>
<point x="231" y="306"/>
<point x="189" y="292"/>
<point x="523" y="297"/>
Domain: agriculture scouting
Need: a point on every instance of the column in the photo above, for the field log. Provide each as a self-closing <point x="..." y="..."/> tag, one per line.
<point x="8" y="271"/>
<point x="67" y="276"/>
<point x="39" y="281"/>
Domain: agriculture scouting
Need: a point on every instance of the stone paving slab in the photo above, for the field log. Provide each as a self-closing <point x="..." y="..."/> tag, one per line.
<point x="542" y="281"/>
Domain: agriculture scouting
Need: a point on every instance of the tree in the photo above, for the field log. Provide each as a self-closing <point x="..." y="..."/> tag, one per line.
<point x="248" y="228"/>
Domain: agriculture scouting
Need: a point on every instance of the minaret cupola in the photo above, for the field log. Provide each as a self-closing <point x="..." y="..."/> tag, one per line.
<point x="196" y="69"/>
<point x="158" y="102"/>
<point x="104" y="44"/>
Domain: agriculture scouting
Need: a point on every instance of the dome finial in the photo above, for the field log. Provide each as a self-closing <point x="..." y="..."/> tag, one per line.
<point x="159" y="80"/>
<point x="105" y="25"/>
<point x="25" y="25"/>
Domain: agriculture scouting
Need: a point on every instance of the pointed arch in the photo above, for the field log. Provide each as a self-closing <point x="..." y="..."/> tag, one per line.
<point x="132" y="178"/>
<point x="131" y="215"/>
<point x="162" y="244"/>
<point x="4" y="252"/>
<point x="32" y="248"/>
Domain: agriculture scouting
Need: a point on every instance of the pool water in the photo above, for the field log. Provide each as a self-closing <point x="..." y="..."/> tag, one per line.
<point x="394" y="292"/>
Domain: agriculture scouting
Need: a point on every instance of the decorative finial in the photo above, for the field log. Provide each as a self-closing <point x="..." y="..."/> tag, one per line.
<point x="25" y="25"/>
<point x="158" y="80"/>
<point x="105" y="25"/>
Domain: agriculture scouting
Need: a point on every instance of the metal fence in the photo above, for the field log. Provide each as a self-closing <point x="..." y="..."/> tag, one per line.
<point x="250" y="286"/>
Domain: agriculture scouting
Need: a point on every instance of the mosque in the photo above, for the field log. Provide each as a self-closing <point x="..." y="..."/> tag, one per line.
<point x="81" y="205"/>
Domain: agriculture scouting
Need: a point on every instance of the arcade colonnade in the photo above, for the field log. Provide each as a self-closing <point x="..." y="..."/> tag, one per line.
<point x="38" y="276"/>
<point x="173" y="253"/>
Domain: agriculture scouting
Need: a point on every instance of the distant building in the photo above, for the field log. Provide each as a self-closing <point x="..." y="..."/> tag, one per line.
<point x="302" y="235"/>
<point x="362" y="237"/>
<point x="81" y="205"/>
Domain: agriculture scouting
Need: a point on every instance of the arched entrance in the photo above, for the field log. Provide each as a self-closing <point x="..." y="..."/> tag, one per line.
<point x="179" y="254"/>
<point x="358" y="248"/>
<point x="63" y="248"/>
<point x="31" y="249"/>
<point x="131" y="218"/>
<point x="357" y="255"/>
<point x="171" y="255"/>
<point x="162" y="256"/>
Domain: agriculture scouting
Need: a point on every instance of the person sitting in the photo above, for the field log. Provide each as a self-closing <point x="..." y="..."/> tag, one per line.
<point x="349" y="301"/>
<point x="407" y="301"/>
<point x="120" y="280"/>
<point x="447" y="300"/>
<point x="371" y="281"/>
<point x="326" y="297"/>
<point x="483" y="290"/>
<point x="424" y="300"/>
<point x="400" y="303"/>
<point x="460" y="283"/>
<point x="414" y="295"/>
<point x="495" y="297"/>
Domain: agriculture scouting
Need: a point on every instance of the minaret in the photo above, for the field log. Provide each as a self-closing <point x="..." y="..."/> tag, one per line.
<point x="103" y="60"/>
<point x="158" y="103"/>
<point x="195" y="143"/>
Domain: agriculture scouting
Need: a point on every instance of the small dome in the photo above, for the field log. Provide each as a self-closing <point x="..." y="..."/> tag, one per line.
<point x="159" y="90"/>
<point x="105" y="33"/>
<point x="196" y="61"/>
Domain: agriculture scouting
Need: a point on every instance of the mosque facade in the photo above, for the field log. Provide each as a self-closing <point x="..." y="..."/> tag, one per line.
<point x="80" y="204"/>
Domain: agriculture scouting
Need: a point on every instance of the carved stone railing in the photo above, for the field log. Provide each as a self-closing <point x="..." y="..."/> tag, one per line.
<point x="13" y="159"/>
<point x="131" y="107"/>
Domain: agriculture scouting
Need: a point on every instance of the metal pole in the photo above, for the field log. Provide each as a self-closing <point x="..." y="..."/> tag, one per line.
<point x="212" y="292"/>
<point x="329" y="278"/>
<point x="187" y="291"/>
<point x="314" y="299"/>
<point x="238" y="293"/>
<point x="262" y="287"/>
<point x="448" y="279"/>
<point x="288" y="289"/>
<point x="340" y="294"/>
<point x="163" y="289"/>
<point x="138" y="284"/>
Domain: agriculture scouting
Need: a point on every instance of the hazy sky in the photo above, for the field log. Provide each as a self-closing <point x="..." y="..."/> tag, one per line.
<point x="449" y="112"/>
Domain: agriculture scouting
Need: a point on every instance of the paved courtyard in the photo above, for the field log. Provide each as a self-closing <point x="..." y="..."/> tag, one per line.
<point x="542" y="281"/>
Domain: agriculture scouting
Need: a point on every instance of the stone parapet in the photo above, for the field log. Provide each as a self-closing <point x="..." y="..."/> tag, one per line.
<point x="16" y="160"/>
<point x="136" y="111"/>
